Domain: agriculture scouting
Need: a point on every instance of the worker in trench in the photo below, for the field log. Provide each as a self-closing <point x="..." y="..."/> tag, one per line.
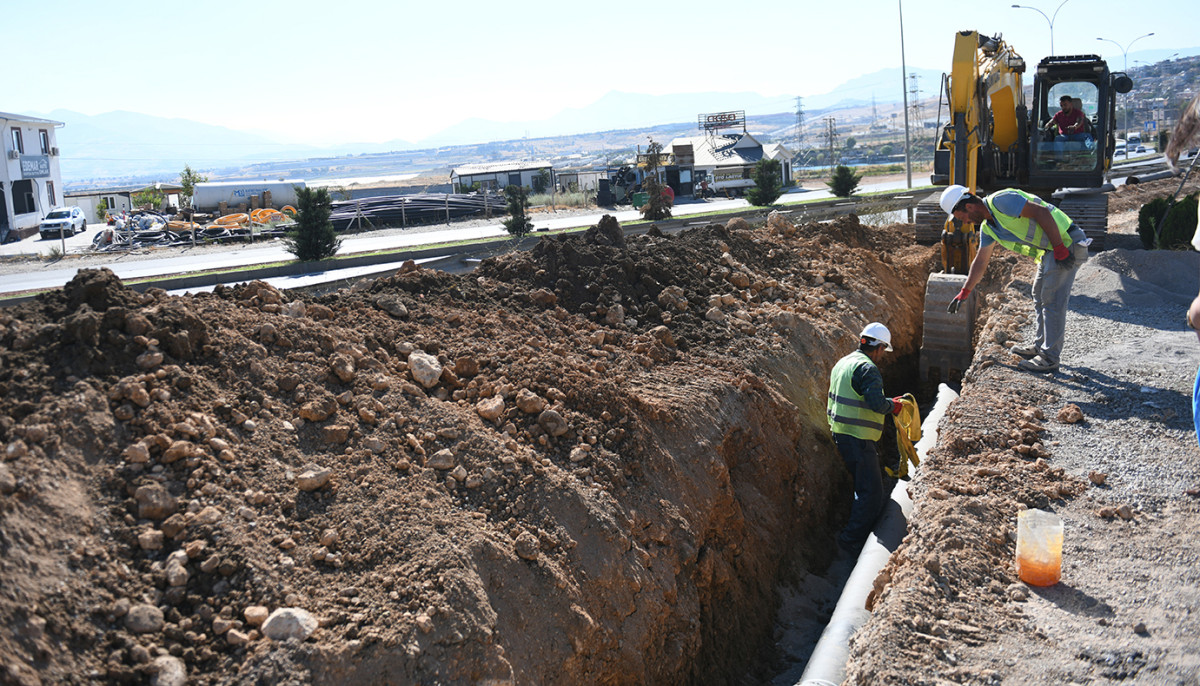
<point x="1026" y="225"/>
<point x="857" y="408"/>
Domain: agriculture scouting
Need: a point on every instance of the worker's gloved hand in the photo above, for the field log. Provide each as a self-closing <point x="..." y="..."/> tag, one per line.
<point x="958" y="301"/>
<point x="897" y="405"/>
<point x="1063" y="257"/>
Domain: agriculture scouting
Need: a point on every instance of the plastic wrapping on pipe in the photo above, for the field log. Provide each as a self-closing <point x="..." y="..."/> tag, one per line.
<point x="827" y="665"/>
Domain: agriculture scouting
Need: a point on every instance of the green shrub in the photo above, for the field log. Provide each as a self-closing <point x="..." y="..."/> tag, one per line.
<point x="314" y="237"/>
<point x="766" y="183"/>
<point x="1178" y="228"/>
<point x="844" y="181"/>
<point x="518" y="223"/>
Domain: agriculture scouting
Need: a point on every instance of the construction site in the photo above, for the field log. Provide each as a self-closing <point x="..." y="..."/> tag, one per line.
<point x="603" y="460"/>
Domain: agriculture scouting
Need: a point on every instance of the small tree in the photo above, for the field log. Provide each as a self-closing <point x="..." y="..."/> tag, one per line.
<point x="541" y="182"/>
<point x="151" y="197"/>
<point x="102" y="210"/>
<point x="314" y="237"/>
<point x="766" y="183"/>
<point x="658" y="203"/>
<point x="188" y="180"/>
<point x="518" y="223"/>
<point x="844" y="181"/>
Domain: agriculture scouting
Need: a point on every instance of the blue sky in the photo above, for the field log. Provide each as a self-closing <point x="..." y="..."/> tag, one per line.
<point x="387" y="69"/>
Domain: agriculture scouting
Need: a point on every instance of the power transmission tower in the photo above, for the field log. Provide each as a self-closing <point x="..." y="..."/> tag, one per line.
<point x="914" y="99"/>
<point x="831" y="141"/>
<point x="799" y="127"/>
<point x="874" y="112"/>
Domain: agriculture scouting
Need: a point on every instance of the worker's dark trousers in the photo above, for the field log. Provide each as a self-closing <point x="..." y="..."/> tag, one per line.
<point x="863" y="464"/>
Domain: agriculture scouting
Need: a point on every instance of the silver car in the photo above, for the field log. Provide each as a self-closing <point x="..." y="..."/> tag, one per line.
<point x="63" y="221"/>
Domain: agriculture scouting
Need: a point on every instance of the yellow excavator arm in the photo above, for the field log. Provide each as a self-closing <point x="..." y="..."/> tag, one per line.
<point x="984" y="91"/>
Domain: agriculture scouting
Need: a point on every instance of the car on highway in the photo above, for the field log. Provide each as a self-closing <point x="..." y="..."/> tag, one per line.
<point x="1141" y="148"/>
<point x="63" y="221"/>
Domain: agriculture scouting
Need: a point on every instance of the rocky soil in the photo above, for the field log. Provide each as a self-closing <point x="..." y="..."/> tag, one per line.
<point x="596" y="462"/>
<point x="588" y="463"/>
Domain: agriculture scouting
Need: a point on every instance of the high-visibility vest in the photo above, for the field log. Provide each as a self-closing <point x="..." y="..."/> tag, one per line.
<point x="1031" y="240"/>
<point x="848" y="412"/>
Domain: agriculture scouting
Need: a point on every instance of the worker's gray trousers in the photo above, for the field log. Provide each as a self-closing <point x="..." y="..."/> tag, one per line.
<point x="1051" y="292"/>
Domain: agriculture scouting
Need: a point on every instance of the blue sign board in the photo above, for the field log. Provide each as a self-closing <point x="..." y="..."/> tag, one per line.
<point x="35" y="166"/>
<point x="1152" y="125"/>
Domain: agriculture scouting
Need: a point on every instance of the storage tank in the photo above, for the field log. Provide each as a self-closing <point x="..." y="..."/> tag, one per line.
<point x="208" y="196"/>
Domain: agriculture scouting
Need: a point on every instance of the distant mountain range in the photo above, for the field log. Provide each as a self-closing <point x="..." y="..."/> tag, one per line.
<point x="127" y="145"/>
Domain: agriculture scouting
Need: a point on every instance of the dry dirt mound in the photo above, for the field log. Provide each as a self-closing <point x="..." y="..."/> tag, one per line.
<point x="590" y="463"/>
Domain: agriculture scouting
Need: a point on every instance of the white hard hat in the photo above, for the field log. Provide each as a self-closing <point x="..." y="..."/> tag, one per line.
<point x="878" y="332"/>
<point x="951" y="196"/>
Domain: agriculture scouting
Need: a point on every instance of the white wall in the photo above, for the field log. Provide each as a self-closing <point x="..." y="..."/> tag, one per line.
<point x="10" y="171"/>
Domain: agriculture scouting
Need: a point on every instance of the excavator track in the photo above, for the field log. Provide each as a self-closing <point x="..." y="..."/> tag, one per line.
<point x="946" y="339"/>
<point x="1090" y="212"/>
<point x="929" y="220"/>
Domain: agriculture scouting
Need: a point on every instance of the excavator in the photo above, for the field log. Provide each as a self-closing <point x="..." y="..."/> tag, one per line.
<point x="993" y="140"/>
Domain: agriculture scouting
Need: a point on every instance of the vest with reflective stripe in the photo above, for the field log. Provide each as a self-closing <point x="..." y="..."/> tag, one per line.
<point x="1033" y="242"/>
<point x="848" y="412"/>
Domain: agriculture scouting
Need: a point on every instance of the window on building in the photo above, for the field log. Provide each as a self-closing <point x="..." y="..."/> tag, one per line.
<point x="44" y="138"/>
<point x="22" y="195"/>
<point x="16" y="141"/>
<point x="50" y="193"/>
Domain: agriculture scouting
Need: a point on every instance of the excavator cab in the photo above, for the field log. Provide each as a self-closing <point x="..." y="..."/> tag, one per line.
<point x="1078" y="160"/>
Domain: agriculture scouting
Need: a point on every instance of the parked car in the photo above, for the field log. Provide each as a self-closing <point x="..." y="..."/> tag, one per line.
<point x="61" y="220"/>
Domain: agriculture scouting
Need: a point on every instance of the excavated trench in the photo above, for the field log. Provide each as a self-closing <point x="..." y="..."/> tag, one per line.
<point x="598" y="461"/>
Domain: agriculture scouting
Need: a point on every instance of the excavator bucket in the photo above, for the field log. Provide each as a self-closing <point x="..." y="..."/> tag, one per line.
<point x="946" y="341"/>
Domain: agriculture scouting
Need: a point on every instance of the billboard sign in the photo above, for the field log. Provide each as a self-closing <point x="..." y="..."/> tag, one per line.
<point x="723" y="120"/>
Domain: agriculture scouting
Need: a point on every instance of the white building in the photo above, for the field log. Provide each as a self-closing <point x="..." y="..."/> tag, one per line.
<point x="726" y="161"/>
<point x="120" y="199"/>
<point x="497" y="175"/>
<point x="30" y="179"/>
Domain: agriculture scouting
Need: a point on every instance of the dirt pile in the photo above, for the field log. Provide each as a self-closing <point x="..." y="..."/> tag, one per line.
<point x="580" y="464"/>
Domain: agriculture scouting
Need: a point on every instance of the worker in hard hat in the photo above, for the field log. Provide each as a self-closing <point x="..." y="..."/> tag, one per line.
<point x="857" y="408"/>
<point x="1027" y="225"/>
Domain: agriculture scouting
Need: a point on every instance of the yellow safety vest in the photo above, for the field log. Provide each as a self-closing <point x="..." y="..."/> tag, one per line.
<point x="848" y="412"/>
<point x="1031" y="240"/>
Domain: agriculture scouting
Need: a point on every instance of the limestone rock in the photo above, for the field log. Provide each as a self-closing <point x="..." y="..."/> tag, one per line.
<point x="490" y="408"/>
<point x="390" y="303"/>
<point x="289" y="623"/>
<point x="442" y="459"/>
<point x="313" y="477"/>
<point x="154" y="502"/>
<point x="144" y="619"/>
<point x="553" y="423"/>
<point x="1070" y="414"/>
<point x="530" y="402"/>
<point x="425" y="368"/>
<point x="663" y="335"/>
<point x="168" y="671"/>
<point x="527" y="547"/>
<point x="615" y="315"/>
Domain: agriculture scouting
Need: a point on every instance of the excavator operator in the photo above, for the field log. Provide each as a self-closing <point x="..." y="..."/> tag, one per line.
<point x="1026" y="225"/>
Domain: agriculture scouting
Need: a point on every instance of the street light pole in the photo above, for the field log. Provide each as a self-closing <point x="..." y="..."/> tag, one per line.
<point x="1125" y="62"/>
<point x="1049" y="20"/>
